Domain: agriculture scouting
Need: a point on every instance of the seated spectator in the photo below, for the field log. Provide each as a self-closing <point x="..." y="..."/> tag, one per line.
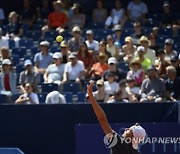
<point x="65" y="52"/>
<point x="172" y="84"/>
<point x="128" y="50"/>
<point x="28" y="14"/>
<point x="76" y="40"/>
<point x="120" y="74"/>
<point x="136" y="73"/>
<point x="42" y="59"/>
<point x="2" y="16"/>
<point x="100" y="94"/>
<point x="99" y="68"/>
<point x="145" y="62"/>
<point x="102" y="50"/>
<point x="122" y="87"/>
<point x="82" y="55"/>
<point x="3" y="40"/>
<point x="74" y="70"/>
<point x="29" y="97"/>
<point x="175" y="63"/>
<point x="117" y="36"/>
<point x="117" y="15"/>
<point x="111" y="85"/>
<point x="137" y="33"/>
<point x="168" y="49"/>
<point x="137" y="10"/>
<point x="28" y="76"/>
<point x="152" y="42"/>
<point x="54" y="72"/>
<point x="111" y="48"/>
<point x="55" y="97"/>
<point x="14" y="29"/>
<point x="7" y="79"/>
<point x="4" y="54"/>
<point x="153" y="88"/>
<point x="92" y="44"/>
<point x="161" y="64"/>
<point x="77" y="18"/>
<point x="99" y="13"/>
<point x="117" y="98"/>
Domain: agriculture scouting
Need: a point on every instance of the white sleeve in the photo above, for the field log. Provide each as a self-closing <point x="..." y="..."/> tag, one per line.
<point x="35" y="99"/>
<point x="111" y="139"/>
<point x="96" y="46"/>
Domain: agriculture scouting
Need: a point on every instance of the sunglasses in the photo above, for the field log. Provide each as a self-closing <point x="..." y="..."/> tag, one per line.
<point x="99" y="85"/>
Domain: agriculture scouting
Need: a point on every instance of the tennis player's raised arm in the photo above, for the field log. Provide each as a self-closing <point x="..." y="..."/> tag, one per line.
<point x="101" y="116"/>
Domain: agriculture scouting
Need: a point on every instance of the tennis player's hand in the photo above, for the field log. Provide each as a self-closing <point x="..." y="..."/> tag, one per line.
<point x="89" y="89"/>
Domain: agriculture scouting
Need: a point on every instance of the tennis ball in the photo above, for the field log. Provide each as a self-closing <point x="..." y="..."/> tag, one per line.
<point x="59" y="38"/>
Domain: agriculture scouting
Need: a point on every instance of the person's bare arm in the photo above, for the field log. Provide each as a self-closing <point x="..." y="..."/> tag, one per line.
<point x="101" y="116"/>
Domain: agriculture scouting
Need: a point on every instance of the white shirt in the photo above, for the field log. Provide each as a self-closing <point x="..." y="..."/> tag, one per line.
<point x="4" y="42"/>
<point x="93" y="46"/>
<point x="110" y="88"/>
<point x="55" y="97"/>
<point x="74" y="71"/>
<point x="118" y="14"/>
<point x="33" y="97"/>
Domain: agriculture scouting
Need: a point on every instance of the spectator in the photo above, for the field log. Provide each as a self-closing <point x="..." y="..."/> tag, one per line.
<point x="111" y="85"/>
<point x="128" y="50"/>
<point x="117" y="98"/>
<point x="169" y="49"/>
<point x="76" y="40"/>
<point x="111" y="48"/>
<point x="99" y="13"/>
<point x="117" y="15"/>
<point x="7" y="79"/>
<point x="122" y="87"/>
<point x="82" y="55"/>
<point x="28" y="76"/>
<point x="99" y="68"/>
<point x="29" y="97"/>
<point x="137" y="10"/>
<point x="149" y="53"/>
<point x="2" y="16"/>
<point x="146" y="63"/>
<point x="100" y="94"/>
<point x="136" y="73"/>
<point x="74" y="70"/>
<point x="28" y="14"/>
<point x="54" y="72"/>
<point x="175" y="63"/>
<point x="42" y="59"/>
<point x="161" y="64"/>
<point x="152" y="42"/>
<point x="172" y="84"/>
<point x="120" y="74"/>
<point x="92" y="44"/>
<point x="137" y="33"/>
<point x="77" y="18"/>
<point x="3" y="40"/>
<point x="65" y="52"/>
<point x="4" y="54"/>
<point x="153" y="88"/>
<point x="55" y="97"/>
<point x="14" y="29"/>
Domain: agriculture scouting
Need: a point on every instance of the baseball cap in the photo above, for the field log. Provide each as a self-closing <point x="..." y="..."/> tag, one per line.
<point x="141" y="49"/>
<point x="143" y="38"/>
<point x="89" y="32"/>
<point x="44" y="43"/>
<point x="76" y="29"/>
<point x="6" y="62"/>
<point x="169" y="41"/>
<point x="72" y="55"/>
<point x="151" y="68"/>
<point x="112" y="60"/>
<point x="128" y="39"/>
<point x="63" y="44"/>
<point x="117" y="28"/>
<point x="100" y="82"/>
<point x="57" y="55"/>
<point x="75" y="6"/>
<point x="166" y="3"/>
<point x="174" y="58"/>
<point x="27" y="62"/>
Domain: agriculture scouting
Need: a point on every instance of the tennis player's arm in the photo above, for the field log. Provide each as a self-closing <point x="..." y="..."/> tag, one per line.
<point x="101" y="116"/>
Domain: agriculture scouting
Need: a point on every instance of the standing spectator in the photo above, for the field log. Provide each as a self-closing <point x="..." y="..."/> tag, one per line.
<point x="153" y="88"/>
<point x="54" y="72"/>
<point x="117" y="98"/>
<point x="7" y="79"/>
<point x="82" y="55"/>
<point x="29" y="97"/>
<point x="76" y="40"/>
<point x="14" y="29"/>
<point x="175" y="63"/>
<point x="74" y="70"/>
<point x="120" y="74"/>
<point x="55" y="97"/>
<point x="99" y="13"/>
<point x="65" y="52"/>
<point x="28" y="76"/>
<point x="172" y="84"/>
<point x="77" y="18"/>
<point x="92" y="44"/>
<point x="169" y="49"/>
<point x="137" y="10"/>
<point x="3" y="40"/>
<point x="2" y="16"/>
<point x="42" y="59"/>
<point x="117" y="15"/>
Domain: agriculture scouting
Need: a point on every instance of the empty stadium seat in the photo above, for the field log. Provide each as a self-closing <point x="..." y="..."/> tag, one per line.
<point x="51" y="34"/>
<point x="15" y="59"/>
<point x="35" y="34"/>
<point x="21" y="51"/>
<point x="68" y="96"/>
<point x="81" y="97"/>
<point x="71" y="87"/>
<point x="28" y="43"/>
<point x="34" y="50"/>
<point x="11" y="44"/>
<point x="42" y="97"/>
<point x="19" y="68"/>
<point x="48" y="87"/>
<point x="3" y="99"/>
<point x="54" y="49"/>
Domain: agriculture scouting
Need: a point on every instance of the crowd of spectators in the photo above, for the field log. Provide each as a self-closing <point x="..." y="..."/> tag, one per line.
<point x="130" y="58"/>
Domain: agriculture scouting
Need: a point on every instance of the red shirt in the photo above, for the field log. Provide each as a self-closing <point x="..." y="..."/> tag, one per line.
<point x="88" y="61"/>
<point x="6" y="83"/>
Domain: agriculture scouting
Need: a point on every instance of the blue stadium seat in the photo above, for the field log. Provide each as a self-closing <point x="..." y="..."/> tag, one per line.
<point x="85" y="87"/>
<point x="21" y="51"/>
<point x="34" y="50"/>
<point x="48" y="87"/>
<point x="37" y="26"/>
<point x="81" y="97"/>
<point x="68" y="96"/>
<point x="3" y="99"/>
<point x="161" y="39"/>
<point x="166" y="31"/>
<point x="146" y="31"/>
<point x="35" y="35"/>
<point x="51" y="34"/>
<point x="19" y="68"/>
<point x="42" y="97"/>
<point x="28" y="43"/>
<point x="94" y="25"/>
<point x="15" y="59"/>
<point x="124" y="66"/>
<point x="71" y="87"/>
<point x="15" y="97"/>
<point x="67" y="35"/>
<point x="128" y="24"/>
<point x="177" y="47"/>
<point x="54" y="49"/>
<point x="11" y="44"/>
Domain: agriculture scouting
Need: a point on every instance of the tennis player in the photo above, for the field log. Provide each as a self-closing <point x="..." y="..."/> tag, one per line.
<point x="125" y="144"/>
